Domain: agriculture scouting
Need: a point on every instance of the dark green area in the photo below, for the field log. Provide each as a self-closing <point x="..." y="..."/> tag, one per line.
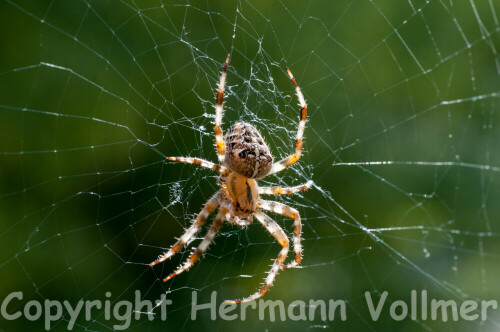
<point x="95" y="94"/>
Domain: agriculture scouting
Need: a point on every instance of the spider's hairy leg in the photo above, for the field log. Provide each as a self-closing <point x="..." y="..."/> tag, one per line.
<point x="219" y="110"/>
<point x="289" y="212"/>
<point x="214" y="229"/>
<point x="276" y="190"/>
<point x="201" y="162"/>
<point x="275" y="229"/>
<point x="292" y="159"/>
<point x="237" y="221"/>
<point x="210" y="206"/>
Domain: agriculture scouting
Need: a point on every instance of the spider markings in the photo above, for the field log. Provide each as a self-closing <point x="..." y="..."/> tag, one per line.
<point x="246" y="152"/>
<point x="245" y="160"/>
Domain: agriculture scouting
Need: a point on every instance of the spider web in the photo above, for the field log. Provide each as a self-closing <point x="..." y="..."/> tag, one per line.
<point x="401" y="143"/>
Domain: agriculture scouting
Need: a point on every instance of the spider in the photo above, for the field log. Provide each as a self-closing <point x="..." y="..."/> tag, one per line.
<point x="245" y="158"/>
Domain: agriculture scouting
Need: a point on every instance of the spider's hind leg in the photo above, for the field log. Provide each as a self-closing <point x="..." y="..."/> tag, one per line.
<point x="292" y="159"/>
<point x="219" y="110"/>
<point x="210" y="206"/>
<point x="219" y="219"/>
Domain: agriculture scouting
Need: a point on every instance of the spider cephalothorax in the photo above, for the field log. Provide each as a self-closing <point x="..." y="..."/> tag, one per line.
<point x="245" y="158"/>
<point x="243" y="193"/>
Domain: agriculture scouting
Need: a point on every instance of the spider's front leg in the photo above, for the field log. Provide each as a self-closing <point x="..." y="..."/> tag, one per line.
<point x="289" y="212"/>
<point x="237" y="221"/>
<point x="212" y="232"/>
<point x="210" y="206"/>
<point x="276" y="231"/>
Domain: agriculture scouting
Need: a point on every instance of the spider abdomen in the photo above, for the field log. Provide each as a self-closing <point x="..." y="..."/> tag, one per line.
<point x="246" y="152"/>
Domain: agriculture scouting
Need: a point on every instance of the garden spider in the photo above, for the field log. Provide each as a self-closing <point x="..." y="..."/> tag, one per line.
<point x="243" y="159"/>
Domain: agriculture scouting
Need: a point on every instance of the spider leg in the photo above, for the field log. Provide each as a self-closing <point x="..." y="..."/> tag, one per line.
<point x="214" y="229"/>
<point x="238" y="221"/>
<point x="292" y="159"/>
<point x="201" y="162"/>
<point x="276" y="190"/>
<point x="273" y="228"/>
<point x="210" y="206"/>
<point x="290" y="212"/>
<point x="219" y="139"/>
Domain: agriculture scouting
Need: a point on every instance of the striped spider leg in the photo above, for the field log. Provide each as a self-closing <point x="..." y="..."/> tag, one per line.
<point x="290" y="212"/>
<point x="280" y="236"/>
<point x="219" y="110"/>
<point x="212" y="232"/>
<point x="276" y="231"/>
<point x="201" y="162"/>
<point x="210" y="206"/>
<point x="292" y="159"/>
<point x="276" y="190"/>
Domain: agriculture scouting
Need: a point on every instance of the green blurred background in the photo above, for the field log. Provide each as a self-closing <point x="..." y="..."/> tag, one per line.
<point x="95" y="94"/>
